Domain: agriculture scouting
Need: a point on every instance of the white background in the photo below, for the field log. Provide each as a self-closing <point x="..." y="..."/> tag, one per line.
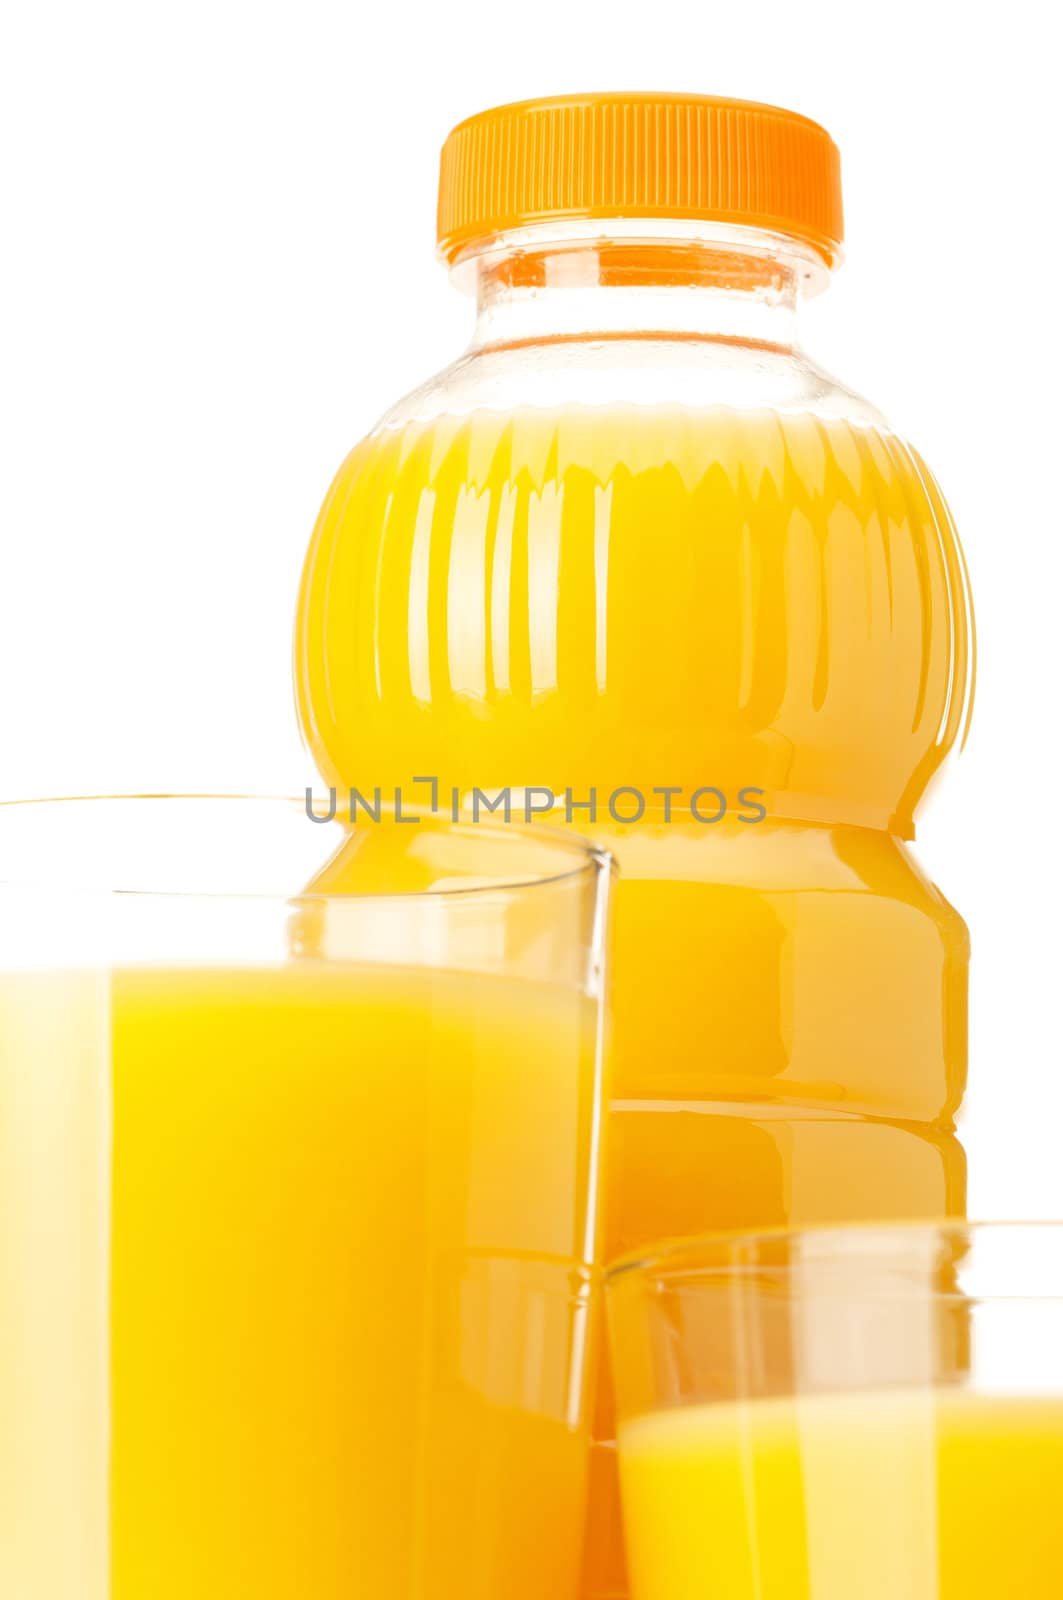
<point x="216" y="270"/>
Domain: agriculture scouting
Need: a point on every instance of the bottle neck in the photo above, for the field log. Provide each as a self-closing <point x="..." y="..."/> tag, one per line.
<point x="739" y="286"/>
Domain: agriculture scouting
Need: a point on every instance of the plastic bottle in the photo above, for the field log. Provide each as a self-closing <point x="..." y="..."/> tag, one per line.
<point x="635" y="542"/>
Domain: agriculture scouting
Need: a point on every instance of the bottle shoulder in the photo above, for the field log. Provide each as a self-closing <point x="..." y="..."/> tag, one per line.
<point x="690" y="372"/>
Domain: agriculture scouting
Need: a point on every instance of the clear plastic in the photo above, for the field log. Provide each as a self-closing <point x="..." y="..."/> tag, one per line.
<point x="579" y="314"/>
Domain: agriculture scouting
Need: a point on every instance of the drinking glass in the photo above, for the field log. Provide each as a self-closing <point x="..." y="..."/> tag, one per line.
<point x="867" y="1412"/>
<point x="298" y="1202"/>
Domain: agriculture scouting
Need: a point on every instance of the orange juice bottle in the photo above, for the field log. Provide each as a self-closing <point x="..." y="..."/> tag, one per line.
<point x="634" y="561"/>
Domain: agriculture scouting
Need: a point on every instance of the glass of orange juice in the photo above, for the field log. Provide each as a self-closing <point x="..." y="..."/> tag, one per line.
<point x="860" y="1411"/>
<point x="298" y="1202"/>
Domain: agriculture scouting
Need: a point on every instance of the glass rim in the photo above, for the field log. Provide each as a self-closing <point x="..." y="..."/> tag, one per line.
<point x="589" y="861"/>
<point x="723" y="1252"/>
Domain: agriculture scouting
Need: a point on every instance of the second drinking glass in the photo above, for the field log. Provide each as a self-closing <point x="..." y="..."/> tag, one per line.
<point x="857" y="1413"/>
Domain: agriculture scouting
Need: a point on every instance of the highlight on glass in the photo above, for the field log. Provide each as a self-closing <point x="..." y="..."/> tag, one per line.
<point x="298" y="1202"/>
<point x="872" y="1411"/>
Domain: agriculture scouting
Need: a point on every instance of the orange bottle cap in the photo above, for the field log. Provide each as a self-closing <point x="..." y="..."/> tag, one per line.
<point x="640" y="155"/>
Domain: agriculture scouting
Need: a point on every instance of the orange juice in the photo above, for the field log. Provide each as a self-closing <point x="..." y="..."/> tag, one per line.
<point x="689" y="599"/>
<point x="929" y="1494"/>
<point x="635" y="557"/>
<point x="293" y="1283"/>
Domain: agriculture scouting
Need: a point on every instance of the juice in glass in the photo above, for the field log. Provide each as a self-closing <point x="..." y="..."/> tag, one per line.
<point x="295" y="1253"/>
<point x="861" y="1410"/>
<point x="931" y="1494"/>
